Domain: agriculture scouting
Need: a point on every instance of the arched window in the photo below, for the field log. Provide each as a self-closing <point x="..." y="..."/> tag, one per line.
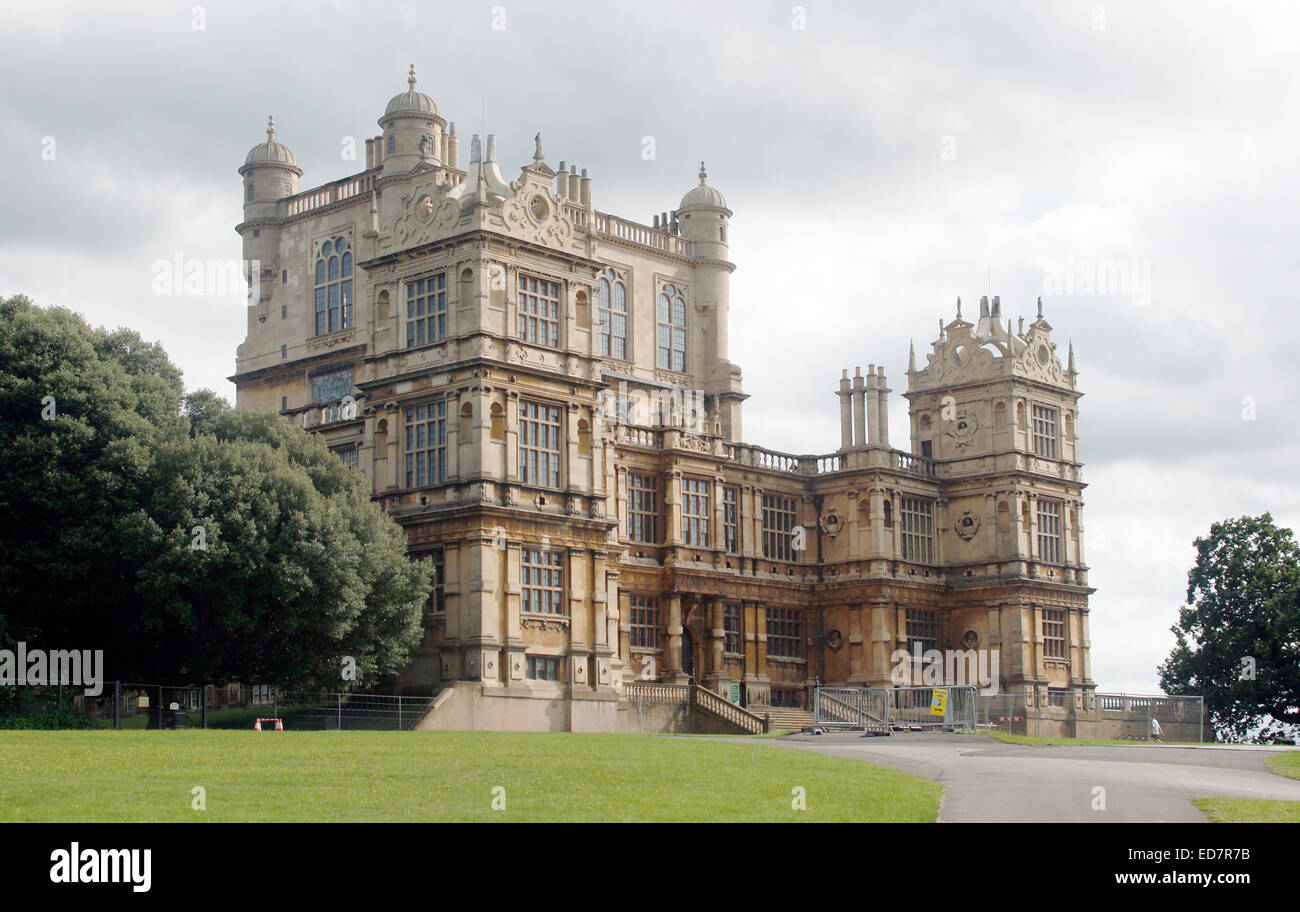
<point x="392" y="145"/>
<point x="250" y="192"/>
<point x="611" y="299"/>
<point x="498" y="425"/>
<point x="671" y="336"/>
<point x="333" y="286"/>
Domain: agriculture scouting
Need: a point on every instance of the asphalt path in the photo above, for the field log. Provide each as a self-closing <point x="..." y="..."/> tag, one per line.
<point x="986" y="780"/>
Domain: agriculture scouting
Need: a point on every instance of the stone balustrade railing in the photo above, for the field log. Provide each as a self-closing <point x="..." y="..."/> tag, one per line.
<point x="320" y="197"/>
<point x="615" y="227"/>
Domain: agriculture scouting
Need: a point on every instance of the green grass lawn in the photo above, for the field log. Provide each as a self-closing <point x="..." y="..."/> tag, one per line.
<point x="1249" y="810"/>
<point x="438" y="776"/>
<point x="1286" y="764"/>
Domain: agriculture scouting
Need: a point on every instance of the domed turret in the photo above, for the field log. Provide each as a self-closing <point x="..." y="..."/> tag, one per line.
<point x="270" y="151"/>
<point x="703" y="196"/>
<point x="270" y="173"/>
<point x="702" y="217"/>
<point x="413" y="131"/>
<point x="411" y="101"/>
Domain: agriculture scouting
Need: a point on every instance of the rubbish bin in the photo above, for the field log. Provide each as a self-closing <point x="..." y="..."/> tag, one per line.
<point x="174" y="717"/>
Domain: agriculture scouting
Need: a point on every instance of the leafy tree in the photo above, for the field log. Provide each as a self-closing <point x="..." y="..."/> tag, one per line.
<point x="262" y="557"/>
<point x="82" y="411"/>
<point x="195" y="544"/>
<point x="1238" y="638"/>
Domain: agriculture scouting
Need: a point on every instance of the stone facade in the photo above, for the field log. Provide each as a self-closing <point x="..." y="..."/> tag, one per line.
<point x="540" y="393"/>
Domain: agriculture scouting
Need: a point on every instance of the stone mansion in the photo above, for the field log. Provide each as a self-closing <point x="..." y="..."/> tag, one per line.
<point x="540" y="393"/>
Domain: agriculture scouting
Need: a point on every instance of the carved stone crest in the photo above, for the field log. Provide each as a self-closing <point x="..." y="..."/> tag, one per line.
<point x="962" y="428"/>
<point x="967" y="525"/>
<point x="831" y="523"/>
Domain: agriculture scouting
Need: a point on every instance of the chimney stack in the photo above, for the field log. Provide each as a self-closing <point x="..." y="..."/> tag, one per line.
<point x="846" y="411"/>
<point x="859" y="409"/>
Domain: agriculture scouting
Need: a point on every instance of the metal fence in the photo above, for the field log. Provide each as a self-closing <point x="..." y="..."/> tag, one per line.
<point x="124" y="704"/>
<point x="884" y="710"/>
<point x="851" y="708"/>
<point x="347" y="711"/>
<point x="918" y="708"/>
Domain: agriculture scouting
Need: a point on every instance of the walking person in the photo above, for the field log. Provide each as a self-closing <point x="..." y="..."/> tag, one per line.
<point x="1155" y="729"/>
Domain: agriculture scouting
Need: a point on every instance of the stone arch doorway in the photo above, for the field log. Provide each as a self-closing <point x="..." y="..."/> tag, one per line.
<point x="688" y="652"/>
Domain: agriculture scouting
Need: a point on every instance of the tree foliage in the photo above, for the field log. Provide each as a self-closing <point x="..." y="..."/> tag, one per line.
<point x="190" y="541"/>
<point x="1238" y="637"/>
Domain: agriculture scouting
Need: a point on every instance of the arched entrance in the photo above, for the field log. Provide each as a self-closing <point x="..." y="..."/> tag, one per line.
<point x="688" y="652"/>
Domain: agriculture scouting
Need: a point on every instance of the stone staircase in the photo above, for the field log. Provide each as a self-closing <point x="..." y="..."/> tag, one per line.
<point x="785" y="720"/>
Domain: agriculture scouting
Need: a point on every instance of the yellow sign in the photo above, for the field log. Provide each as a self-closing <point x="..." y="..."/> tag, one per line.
<point x="938" y="701"/>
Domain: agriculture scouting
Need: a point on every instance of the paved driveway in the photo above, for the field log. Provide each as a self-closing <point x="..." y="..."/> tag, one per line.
<point x="988" y="780"/>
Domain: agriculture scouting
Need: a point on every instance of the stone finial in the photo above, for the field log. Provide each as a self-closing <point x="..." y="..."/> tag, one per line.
<point x="270" y="128"/>
<point x="410" y="79"/>
<point x="911" y="356"/>
<point x="703" y="174"/>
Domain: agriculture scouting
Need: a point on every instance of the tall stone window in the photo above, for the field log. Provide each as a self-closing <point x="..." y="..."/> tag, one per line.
<point x="541" y="587"/>
<point x="923" y="628"/>
<point x="333" y="286"/>
<point x="539" y="444"/>
<point x="644" y="621"/>
<point x="784" y="633"/>
<point x="1049" y="531"/>
<point x="731" y="519"/>
<point x="437" y="604"/>
<point x="539" y="311"/>
<point x="916" y="521"/>
<point x="695" y="512"/>
<point x="778" y="525"/>
<point x="426" y="444"/>
<point x="1045" y="431"/>
<point x="642" y="508"/>
<point x="348" y="456"/>
<point x="671" y="336"/>
<point x="611" y="302"/>
<point x="1054" y="633"/>
<point x="731" y="629"/>
<point x="426" y="310"/>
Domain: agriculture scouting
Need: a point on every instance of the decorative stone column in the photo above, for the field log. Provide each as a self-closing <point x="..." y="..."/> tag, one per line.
<point x="672" y="672"/>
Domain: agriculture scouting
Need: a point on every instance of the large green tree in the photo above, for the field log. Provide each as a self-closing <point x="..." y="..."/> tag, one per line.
<point x="1238" y="637"/>
<point x="189" y="541"/>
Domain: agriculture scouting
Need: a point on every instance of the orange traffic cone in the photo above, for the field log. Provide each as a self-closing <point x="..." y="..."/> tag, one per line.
<point x="257" y="726"/>
<point x="279" y="726"/>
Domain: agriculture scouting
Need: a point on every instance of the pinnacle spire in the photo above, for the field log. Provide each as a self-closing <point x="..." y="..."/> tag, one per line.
<point x="911" y="356"/>
<point x="410" y="79"/>
<point x="703" y="174"/>
<point x="270" y="128"/>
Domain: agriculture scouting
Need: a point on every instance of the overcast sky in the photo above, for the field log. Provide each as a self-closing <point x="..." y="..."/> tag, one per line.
<point x="881" y="159"/>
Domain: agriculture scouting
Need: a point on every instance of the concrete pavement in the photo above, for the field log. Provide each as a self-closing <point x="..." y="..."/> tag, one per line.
<point x="986" y="780"/>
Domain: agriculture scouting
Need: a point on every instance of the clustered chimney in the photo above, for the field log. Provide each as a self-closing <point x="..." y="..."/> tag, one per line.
<point x="864" y="409"/>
